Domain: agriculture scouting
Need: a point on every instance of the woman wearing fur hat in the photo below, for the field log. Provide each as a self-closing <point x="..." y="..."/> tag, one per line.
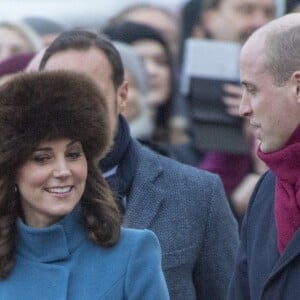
<point x="60" y="235"/>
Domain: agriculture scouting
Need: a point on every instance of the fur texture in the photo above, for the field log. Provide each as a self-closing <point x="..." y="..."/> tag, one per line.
<point x="45" y="105"/>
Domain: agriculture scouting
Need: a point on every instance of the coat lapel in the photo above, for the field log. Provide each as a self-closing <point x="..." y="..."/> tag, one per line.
<point x="291" y="252"/>
<point x="146" y="196"/>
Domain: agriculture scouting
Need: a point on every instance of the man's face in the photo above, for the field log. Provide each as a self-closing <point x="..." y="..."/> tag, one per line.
<point x="273" y="111"/>
<point x="236" y="20"/>
<point x="93" y="63"/>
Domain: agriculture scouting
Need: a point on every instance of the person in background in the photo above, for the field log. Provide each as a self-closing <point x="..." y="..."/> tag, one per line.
<point x="46" y="28"/>
<point x="153" y="50"/>
<point x="137" y="111"/>
<point x="13" y="65"/>
<point x="241" y="195"/>
<point x="167" y="22"/>
<point x="16" y="38"/>
<point x="191" y="27"/>
<point x="60" y="227"/>
<point x="296" y="8"/>
<point x="233" y="21"/>
<point x="268" y="261"/>
<point x="163" y="20"/>
<point x="186" y="208"/>
<point x="291" y="5"/>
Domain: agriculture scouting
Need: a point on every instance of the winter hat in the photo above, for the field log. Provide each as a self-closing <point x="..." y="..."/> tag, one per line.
<point x="40" y="106"/>
<point x="130" y="32"/>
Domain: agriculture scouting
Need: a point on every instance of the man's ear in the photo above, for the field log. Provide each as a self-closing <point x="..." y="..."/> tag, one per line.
<point x="122" y="95"/>
<point x="296" y="81"/>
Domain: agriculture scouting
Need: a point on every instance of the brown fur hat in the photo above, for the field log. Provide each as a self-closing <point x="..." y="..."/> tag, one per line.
<point x="45" y="105"/>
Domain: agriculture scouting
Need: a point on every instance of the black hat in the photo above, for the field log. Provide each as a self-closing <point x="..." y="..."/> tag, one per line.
<point x="45" y="105"/>
<point x="130" y="32"/>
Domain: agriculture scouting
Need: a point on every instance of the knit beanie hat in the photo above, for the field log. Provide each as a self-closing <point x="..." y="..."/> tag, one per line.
<point x="130" y="32"/>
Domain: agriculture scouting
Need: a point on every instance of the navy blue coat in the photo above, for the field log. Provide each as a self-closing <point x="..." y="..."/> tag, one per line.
<point x="188" y="211"/>
<point x="260" y="271"/>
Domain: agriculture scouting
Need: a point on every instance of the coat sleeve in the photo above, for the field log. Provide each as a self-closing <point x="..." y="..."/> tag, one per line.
<point x="144" y="278"/>
<point x="219" y="246"/>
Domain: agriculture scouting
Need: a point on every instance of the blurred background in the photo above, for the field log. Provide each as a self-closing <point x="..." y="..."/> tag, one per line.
<point x="75" y="12"/>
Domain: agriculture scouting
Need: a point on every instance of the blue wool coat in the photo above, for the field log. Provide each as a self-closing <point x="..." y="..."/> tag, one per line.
<point x="188" y="211"/>
<point x="59" y="263"/>
<point x="261" y="273"/>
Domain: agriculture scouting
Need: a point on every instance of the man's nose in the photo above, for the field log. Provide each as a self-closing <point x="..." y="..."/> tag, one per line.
<point x="245" y="108"/>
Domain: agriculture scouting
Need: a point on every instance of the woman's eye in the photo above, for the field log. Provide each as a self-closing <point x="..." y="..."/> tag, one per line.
<point x="41" y="158"/>
<point x="74" y="155"/>
<point x="162" y="61"/>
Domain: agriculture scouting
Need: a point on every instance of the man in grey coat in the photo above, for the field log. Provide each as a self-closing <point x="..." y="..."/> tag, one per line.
<point x="186" y="208"/>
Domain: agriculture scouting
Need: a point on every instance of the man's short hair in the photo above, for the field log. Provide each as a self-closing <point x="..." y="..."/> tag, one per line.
<point x="84" y="40"/>
<point x="282" y="56"/>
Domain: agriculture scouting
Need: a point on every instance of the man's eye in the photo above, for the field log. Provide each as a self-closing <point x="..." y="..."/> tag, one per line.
<point x="251" y="91"/>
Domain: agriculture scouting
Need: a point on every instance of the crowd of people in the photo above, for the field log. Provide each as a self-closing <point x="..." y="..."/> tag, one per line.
<point x="107" y="192"/>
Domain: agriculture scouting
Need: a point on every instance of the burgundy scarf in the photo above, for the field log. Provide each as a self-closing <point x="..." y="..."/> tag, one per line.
<point x="285" y="163"/>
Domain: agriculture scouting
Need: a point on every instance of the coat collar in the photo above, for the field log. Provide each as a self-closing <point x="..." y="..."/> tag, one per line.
<point x="53" y="243"/>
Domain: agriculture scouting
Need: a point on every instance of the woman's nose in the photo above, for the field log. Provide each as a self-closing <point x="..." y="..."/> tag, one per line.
<point x="61" y="169"/>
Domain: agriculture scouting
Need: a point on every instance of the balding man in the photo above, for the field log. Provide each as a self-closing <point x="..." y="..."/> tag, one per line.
<point x="268" y="261"/>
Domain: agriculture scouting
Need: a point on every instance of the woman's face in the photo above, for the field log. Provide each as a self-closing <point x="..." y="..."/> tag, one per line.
<point x="52" y="181"/>
<point x="12" y="43"/>
<point x="158" y="70"/>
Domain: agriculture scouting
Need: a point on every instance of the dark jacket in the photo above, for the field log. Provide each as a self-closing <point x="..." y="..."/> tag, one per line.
<point x="188" y="211"/>
<point x="260" y="271"/>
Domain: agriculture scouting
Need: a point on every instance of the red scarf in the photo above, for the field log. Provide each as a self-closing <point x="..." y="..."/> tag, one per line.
<point x="285" y="163"/>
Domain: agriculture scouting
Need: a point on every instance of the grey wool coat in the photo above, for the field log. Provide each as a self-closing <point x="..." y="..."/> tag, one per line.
<point x="188" y="211"/>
